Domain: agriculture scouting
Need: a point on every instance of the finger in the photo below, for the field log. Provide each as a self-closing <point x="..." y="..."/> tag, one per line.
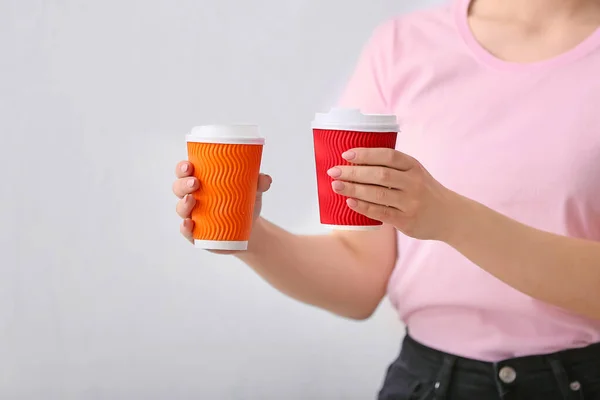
<point x="185" y="206"/>
<point x="382" y="176"/>
<point x="184" y="169"/>
<point x="184" y="186"/>
<point x="186" y="229"/>
<point x="380" y="156"/>
<point x="370" y="193"/>
<point x="264" y="183"/>
<point x="375" y="211"/>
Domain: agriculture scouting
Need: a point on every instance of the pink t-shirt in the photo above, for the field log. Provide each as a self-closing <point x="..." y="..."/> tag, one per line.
<point x="523" y="139"/>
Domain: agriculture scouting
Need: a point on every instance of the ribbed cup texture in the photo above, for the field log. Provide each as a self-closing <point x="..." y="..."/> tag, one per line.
<point x="329" y="146"/>
<point x="228" y="175"/>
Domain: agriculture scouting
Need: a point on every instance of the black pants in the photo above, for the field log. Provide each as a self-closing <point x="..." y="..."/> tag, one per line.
<point x="422" y="373"/>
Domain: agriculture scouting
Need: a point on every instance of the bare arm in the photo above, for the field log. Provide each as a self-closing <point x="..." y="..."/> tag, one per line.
<point x="345" y="272"/>
<point x="560" y="270"/>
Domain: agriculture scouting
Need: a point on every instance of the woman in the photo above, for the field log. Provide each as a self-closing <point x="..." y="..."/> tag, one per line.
<point x="491" y="244"/>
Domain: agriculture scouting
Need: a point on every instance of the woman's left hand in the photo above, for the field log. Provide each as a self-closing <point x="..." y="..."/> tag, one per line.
<point x="394" y="188"/>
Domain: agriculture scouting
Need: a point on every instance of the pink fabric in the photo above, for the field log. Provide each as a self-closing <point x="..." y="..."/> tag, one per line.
<point x="523" y="139"/>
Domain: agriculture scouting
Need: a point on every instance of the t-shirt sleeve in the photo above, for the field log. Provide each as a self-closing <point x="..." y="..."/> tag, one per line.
<point x="368" y="88"/>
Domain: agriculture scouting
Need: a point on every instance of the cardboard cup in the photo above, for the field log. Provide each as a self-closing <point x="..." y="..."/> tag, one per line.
<point x="226" y="161"/>
<point x="335" y="133"/>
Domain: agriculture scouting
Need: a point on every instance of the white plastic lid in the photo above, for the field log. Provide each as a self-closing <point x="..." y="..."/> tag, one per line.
<point x="227" y="134"/>
<point x="354" y="120"/>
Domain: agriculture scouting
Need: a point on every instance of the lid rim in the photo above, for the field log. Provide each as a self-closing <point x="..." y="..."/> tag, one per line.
<point x="352" y="119"/>
<point x="357" y="129"/>
<point x="226" y="134"/>
<point x="224" y="140"/>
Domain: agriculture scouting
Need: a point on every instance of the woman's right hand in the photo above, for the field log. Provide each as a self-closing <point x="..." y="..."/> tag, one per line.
<point x="186" y="184"/>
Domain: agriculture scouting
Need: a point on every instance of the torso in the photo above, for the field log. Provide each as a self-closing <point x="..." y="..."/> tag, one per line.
<point x="523" y="139"/>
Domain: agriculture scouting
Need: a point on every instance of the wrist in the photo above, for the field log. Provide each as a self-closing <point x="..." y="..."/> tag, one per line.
<point x="460" y="215"/>
<point x="258" y="228"/>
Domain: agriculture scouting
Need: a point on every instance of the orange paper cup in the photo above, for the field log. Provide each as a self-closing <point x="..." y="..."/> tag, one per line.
<point x="226" y="161"/>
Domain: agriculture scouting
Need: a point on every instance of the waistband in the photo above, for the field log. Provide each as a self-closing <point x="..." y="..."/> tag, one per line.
<point x="567" y="358"/>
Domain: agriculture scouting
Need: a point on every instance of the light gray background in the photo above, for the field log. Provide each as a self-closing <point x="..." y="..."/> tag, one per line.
<point x="99" y="296"/>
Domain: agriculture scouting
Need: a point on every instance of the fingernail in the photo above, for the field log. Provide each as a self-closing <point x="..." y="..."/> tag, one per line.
<point x="349" y="155"/>
<point x="337" y="186"/>
<point x="352" y="203"/>
<point x="185" y="168"/>
<point x="191" y="183"/>
<point x="186" y="199"/>
<point x="334" y="172"/>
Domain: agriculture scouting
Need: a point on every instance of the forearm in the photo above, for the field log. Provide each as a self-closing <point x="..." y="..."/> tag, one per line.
<point x="560" y="270"/>
<point x="323" y="271"/>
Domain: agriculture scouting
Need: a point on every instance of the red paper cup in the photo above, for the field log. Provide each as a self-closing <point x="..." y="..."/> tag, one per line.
<point x="334" y="133"/>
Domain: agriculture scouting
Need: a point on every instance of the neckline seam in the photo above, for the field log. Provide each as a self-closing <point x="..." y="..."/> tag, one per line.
<point x="481" y="55"/>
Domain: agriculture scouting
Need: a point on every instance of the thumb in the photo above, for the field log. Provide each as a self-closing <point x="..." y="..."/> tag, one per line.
<point x="264" y="184"/>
